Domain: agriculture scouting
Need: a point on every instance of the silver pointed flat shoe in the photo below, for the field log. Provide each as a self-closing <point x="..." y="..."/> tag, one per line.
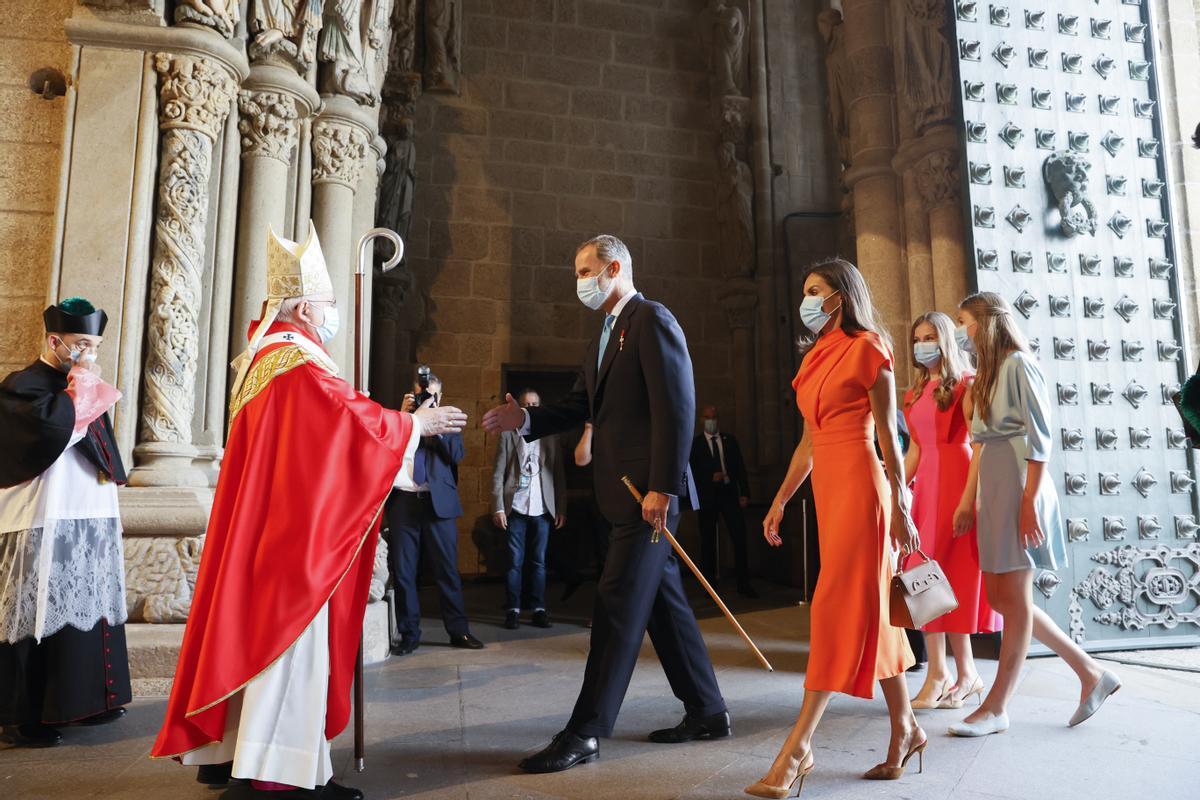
<point x="1106" y="688"/>
<point x="997" y="723"/>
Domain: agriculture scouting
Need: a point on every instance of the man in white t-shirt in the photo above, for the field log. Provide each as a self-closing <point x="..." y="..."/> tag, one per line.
<point x="528" y="496"/>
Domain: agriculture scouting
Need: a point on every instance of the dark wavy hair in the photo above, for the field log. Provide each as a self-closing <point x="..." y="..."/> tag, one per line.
<point x="858" y="311"/>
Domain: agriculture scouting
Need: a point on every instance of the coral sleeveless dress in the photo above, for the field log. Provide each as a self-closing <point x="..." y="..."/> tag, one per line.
<point x="852" y="644"/>
<point x="943" y="437"/>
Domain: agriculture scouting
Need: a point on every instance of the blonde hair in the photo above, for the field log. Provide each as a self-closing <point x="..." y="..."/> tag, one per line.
<point x="997" y="337"/>
<point x="955" y="363"/>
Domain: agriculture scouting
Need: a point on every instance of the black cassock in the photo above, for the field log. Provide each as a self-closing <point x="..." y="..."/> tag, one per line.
<point x="71" y="674"/>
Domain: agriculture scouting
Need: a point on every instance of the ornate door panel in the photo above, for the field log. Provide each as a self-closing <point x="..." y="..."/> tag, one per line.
<point x="1070" y="220"/>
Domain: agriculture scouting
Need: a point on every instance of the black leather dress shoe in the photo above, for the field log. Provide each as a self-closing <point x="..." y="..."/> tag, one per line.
<point x="104" y="717"/>
<point x="467" y="642"/>
<point x="717" y="726"/>
<point x="335" y="791"/>
<point x="330" y="791"/>
<point x="564" y="751"/>
<point x="541" y="619"/>
<point x="215" y="774"/>
<point x="35" y="734"/>
<point x="512" y="620"/>
<point x="407" y="645"/>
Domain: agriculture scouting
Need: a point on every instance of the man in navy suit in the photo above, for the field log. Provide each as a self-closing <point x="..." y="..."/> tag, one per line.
<point x="426" y="518"/>
<point x="637" y="390"/>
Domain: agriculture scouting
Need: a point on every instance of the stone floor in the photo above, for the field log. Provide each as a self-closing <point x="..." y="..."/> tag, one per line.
<point x="447" y="723"/>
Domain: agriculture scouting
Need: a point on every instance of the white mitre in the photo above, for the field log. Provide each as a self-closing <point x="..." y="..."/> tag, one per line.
<point x="294" y="269"/>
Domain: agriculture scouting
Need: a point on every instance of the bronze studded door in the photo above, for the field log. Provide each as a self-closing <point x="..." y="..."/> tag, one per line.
<point x="1071" y="222"/>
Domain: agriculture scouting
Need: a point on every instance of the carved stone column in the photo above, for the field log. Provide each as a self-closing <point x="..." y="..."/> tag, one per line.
<point x="873" y="142"/>
<point x="340" y="139"/>
<point x="195" y="98"/>
<point x="273" y="102"/>
<point x="939" y="183"/>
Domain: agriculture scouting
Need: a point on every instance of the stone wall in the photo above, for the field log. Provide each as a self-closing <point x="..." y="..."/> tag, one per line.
<point x="574" y="118"/>
<point x="31" y="136"/>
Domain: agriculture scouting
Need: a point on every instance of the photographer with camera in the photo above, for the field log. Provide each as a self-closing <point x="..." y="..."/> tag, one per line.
<point x="425" y="517"/>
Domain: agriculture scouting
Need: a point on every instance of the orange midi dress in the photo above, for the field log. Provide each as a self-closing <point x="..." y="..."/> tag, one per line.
<point x="852" y="644"/>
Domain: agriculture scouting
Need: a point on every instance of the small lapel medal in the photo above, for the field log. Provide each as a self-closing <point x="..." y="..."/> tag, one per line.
<point x="621" y="342"/>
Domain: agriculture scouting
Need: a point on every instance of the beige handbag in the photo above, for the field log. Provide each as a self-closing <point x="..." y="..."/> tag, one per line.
<point x="920" y="595"/>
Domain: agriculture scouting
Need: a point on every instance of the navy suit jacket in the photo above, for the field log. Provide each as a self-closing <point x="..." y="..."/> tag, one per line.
<point x="641" y="402"/>
<point x="442" y="454"/>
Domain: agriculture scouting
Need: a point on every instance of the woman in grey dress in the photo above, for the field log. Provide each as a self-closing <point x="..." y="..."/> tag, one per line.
<point x="1018" y="522"/>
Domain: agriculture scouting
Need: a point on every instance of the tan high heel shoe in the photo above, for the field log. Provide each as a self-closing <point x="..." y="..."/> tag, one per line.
<point x="954" y="700"/>
<point x="882" y="772"/>
<point x="943" y="689"/>
<point x="762" y="789"/>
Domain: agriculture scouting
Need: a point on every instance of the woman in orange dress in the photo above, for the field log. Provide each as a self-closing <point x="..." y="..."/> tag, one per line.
<point x="845" y="390"/>
<point x="938" y="410"/>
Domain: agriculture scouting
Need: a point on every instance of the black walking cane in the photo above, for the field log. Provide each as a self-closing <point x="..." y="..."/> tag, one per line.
<point x="360" y="273"/>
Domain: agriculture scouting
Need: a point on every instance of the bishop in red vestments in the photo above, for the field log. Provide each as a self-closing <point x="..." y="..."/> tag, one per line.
<point x="264" y="676"/>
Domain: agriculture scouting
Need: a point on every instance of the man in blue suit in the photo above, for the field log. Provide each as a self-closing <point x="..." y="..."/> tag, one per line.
<point x="426" y="518"/>
<point x="637" y="390"/>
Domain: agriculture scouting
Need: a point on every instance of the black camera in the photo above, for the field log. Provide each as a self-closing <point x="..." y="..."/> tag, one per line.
<point x="424" y="374"/>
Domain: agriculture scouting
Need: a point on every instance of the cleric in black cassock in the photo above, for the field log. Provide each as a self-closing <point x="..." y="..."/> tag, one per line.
<point x="62" y="572"/>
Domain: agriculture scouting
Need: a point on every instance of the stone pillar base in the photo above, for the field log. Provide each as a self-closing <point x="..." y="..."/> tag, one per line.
<point x="168" y="464"/>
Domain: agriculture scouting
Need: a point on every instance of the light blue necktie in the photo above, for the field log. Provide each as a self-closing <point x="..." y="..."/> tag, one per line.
<point x="609" y="321"/>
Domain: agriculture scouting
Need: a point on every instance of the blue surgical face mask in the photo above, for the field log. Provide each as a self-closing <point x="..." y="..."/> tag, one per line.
<point x="329" y="325"/>
<point x="964" y="340"/>
<point x="927" y="353"/>
<point x="813" y="315"/>
<point x="590" y="293"/>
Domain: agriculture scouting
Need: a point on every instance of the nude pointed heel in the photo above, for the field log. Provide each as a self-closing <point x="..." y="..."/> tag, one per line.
<point x="763" y="789"/>
<point x="952" y="701"/>
<point x="882" y="772"/>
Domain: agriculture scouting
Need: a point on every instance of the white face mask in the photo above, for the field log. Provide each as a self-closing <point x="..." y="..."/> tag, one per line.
<point x="589" y="292"/>
<point x="75" y="356"/>
<point x="329" y="325"/>
<point x="964" y="340"/>
<point x="813" y="314"/>
<point x="927" y="353"/>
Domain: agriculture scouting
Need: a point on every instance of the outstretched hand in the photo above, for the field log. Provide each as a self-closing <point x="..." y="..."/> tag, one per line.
<point x="508" y="417"/>
<point x="443" y="419"/>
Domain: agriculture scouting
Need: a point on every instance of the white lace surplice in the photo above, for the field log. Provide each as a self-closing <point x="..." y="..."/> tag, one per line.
<point x="61" y="560"/>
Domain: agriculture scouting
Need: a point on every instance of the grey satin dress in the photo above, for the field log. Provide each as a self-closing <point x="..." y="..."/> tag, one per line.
<point x="1018" y="430"/>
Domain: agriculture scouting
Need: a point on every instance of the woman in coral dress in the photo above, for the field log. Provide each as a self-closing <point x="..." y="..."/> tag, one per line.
<point x="845" y="389"/>
<point x="937" y="409"/>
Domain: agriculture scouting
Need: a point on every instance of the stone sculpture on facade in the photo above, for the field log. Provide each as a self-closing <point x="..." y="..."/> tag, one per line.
<point x="837" y="78"/>
<point x="1066" y="175"/>
<point x="220" y="15"/>
<point x="402" y="57"/>
<point x="725" y="39"/>
<point x="938" y="179"/>
<point x="443" y="45"/>
<point x="341" y="49"/>
<point x="399" y="178"/>
<point x="735" y="212"/>
<point x="338" y="153"/>
<point x="285" y="29"/>
<point x="926" y="63"/>
<point x="267" y="124"/>
<point x="160" y="577"/>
